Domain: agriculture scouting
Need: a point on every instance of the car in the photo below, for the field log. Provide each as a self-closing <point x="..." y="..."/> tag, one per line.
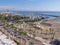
<point x="55" y="42"/>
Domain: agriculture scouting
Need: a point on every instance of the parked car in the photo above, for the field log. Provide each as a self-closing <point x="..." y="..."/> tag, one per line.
<point x="55" y="42"/>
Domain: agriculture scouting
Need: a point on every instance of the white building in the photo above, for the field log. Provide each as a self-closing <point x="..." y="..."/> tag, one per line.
<point x="8" y="42"/>
<point x="3" y="36"/>
<point x="5" y="41"/>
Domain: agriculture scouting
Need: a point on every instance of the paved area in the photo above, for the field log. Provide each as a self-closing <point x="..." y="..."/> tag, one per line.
<point x="23" y="38"/>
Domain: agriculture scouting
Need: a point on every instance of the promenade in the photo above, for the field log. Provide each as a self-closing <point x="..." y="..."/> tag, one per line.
<point x="9" y="35"/>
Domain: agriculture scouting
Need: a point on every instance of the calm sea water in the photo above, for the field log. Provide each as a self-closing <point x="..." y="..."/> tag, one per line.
<point x="34" y="12"/>
<point x="37" y="12"/>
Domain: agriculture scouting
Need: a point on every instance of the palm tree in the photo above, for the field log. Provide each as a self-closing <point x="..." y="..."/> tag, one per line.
<point x="41" y="31"/>
<point x="53" y="35"/>
<point x="30" y="33"/>
<point x="34" y="35"/>
<point x="51" y="31"/>
<point x="31" y="43"/>
<point x="46" y="32"/>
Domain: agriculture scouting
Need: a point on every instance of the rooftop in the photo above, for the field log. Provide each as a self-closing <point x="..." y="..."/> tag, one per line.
<point x="6" y="41"/>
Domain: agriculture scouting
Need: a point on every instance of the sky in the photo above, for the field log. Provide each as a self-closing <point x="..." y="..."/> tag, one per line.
<point x="30" y="5"/>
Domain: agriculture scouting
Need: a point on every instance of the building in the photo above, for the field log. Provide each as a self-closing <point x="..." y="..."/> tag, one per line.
<point x="4" y="40"/>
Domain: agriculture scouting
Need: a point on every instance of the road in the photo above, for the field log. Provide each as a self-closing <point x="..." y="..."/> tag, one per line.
<point x="24" y="38"/>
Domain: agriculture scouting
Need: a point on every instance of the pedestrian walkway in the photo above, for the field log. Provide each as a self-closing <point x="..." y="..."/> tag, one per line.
<point x="45" y="42"/>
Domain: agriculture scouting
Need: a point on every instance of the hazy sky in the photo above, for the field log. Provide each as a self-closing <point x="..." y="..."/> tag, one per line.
<point x="31" y="5"/>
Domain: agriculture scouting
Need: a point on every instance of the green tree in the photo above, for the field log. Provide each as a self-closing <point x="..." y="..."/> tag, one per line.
<point x="31" y="43"/>
<point x="8" y="18"/>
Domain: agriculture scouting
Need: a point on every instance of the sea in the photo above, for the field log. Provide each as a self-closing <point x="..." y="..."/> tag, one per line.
<point x="51" y="14"/>
<point x="55" y="13"/>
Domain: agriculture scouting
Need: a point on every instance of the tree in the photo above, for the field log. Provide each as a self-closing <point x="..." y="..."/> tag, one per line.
<point x="31" y="43"/>
<point x="22" y="32"/>
<point x="53" y="35"/>
<point x="34" y="35"/>
<point x="8" y="18"/>
<point x="41" y="30"/>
